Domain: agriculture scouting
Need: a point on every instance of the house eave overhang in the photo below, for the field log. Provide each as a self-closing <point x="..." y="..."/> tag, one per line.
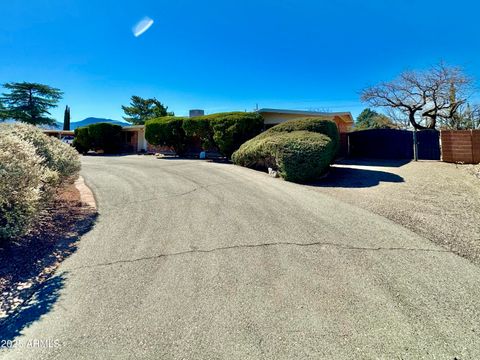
<point x="346" y="117"/>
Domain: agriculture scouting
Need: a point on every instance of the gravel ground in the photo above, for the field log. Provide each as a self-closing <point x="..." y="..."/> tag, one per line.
<point x="437" y="200"/>
<point x="474" y="170"/>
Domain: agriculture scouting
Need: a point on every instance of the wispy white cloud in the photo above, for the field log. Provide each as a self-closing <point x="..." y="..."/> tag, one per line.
<point x="142" y="26"/>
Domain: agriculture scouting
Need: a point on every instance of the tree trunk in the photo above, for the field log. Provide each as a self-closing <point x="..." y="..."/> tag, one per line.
<point x="414" y="123"/>
<point x="32" y="108"/>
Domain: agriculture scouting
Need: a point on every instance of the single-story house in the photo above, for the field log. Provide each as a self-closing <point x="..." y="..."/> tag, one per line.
<point x="134" y="136"/>
<point x="59" y="133"/>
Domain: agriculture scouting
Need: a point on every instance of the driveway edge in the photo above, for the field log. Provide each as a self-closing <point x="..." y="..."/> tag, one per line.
<point x="86" y="194"/>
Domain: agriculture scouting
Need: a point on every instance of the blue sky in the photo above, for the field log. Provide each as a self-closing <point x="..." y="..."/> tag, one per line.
<point x="224" y="55"/>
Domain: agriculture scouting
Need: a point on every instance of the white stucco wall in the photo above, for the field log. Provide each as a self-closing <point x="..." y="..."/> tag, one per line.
<point x="142" y="142"/>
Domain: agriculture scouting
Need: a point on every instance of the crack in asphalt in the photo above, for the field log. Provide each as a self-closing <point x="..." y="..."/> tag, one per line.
<point x="124" y="204"/>
<point x="249" y="246"/>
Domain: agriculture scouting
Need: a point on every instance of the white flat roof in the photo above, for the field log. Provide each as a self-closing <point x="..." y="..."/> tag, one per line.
<point x="133" y="127"/>
<point x="307" y="113"/>
<point x="51" y="131"/>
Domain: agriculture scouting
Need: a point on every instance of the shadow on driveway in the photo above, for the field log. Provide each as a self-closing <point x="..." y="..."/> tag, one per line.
<point x="374" y="162"/>
<point x="38" y="305"/>
<point x="349" y="177"/>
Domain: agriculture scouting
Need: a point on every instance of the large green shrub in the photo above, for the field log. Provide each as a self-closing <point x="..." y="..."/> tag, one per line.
<point x="99" y="136"/>
<point x="297" y="154"/>
<point x="106" y="137"/>
<point x="82" y="141"/>
<point x="231" y="130"/>
<point x="167" y="131"/>
<point x="200" y="127"/>
<point x="316" y="125"/>
<point x="225" y="131"/>
<point x="60" y="158"/>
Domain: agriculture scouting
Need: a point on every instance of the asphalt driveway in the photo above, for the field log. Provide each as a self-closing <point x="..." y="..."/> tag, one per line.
<point x="196" y="260"/>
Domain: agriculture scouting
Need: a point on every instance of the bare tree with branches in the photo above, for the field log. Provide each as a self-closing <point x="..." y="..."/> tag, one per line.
<point x="423" y="97"/>
<point x="466" y="117"/>
<point x="476" y="116"/>
<point x="398" y="117"/>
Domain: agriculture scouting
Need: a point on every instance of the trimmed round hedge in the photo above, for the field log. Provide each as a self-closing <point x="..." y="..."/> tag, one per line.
<point x="105" y="136"/>
<point x="231" y="130"/>
<point x="201" y="128"/>
<point x="316" y="125"/>
<point x="167" y="131"/>
<point x="99" y="136"/>
<point x="226" y="131"/>
<point x="82" y="141"/>
<point x="299" y="155"/>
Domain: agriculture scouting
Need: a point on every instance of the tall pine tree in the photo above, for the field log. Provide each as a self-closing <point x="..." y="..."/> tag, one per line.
<point x="370" y="119"/>
<point x="30" y="102"/>
<point x="141" y="110"/>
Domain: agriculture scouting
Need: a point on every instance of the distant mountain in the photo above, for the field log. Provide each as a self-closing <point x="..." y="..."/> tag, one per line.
<point x="93" y="120"/>
<point x="56" y="126"/>
<point x="77" y="124"/>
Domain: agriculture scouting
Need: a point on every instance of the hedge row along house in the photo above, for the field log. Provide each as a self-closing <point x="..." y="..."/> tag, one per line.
<point x="134" y="136"/>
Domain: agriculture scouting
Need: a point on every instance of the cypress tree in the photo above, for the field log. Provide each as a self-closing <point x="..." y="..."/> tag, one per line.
<point x="66" y="119"/>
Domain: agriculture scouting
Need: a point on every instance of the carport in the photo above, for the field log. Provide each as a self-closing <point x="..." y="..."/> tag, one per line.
<point x="134" y="138"/>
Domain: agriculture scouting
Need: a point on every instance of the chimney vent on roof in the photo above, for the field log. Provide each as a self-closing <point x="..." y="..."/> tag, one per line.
<point x="196" y="112"/>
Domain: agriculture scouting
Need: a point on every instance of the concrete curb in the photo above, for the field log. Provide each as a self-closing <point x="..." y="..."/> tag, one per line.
<point x="86" y="195"/>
